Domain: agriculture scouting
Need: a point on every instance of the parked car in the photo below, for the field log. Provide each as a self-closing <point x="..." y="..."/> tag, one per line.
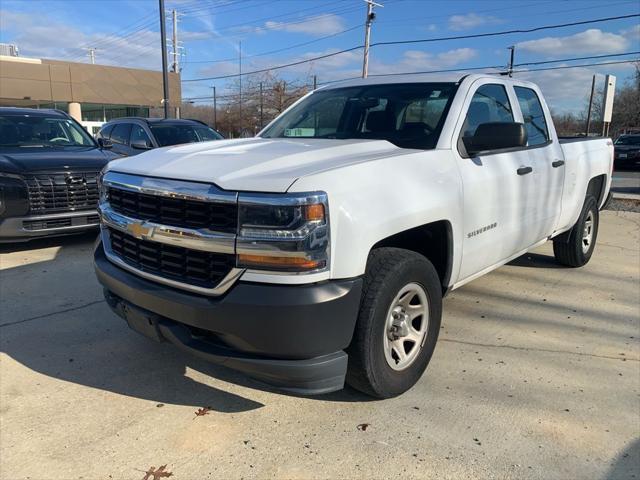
<point x="131" y="136"/>
<point x="48" y="174"/>
<point x="320" y="250"/>
<point x="627" y="151"/>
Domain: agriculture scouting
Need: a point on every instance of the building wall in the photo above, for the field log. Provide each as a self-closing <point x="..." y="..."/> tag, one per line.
<point x="57" y="81"/>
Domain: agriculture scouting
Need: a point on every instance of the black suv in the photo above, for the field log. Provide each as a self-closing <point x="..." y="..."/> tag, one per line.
<point x="132" y="135"/>
<point x="627" y="151"/>
<point x="48" y="170"/>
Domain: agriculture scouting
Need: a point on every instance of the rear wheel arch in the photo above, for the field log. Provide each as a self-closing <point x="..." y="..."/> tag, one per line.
<point x="596" y="188"/>
<point x="433" y="240"/>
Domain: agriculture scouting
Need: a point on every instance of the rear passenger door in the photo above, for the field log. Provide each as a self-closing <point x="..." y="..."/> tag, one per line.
<point x="496" y="196"/>
<point x="120" y="139"/>
<point x="547" y="160"/>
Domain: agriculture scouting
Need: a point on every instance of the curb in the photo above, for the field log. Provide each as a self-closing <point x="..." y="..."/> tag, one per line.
<point x="624" y="202"/>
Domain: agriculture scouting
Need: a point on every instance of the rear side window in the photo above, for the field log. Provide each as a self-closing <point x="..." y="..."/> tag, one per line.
<point x="534" y="120"/>
<point x="490" y="103"/>
<point x="105" y="131"/>
<point x="120" y="133"/>
<point x="138" y="133"/>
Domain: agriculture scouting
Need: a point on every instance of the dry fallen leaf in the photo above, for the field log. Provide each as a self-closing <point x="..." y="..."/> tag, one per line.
<point x="363" y="426"/>
<point x="155" y="474"/>
<point x="202" y="411"/>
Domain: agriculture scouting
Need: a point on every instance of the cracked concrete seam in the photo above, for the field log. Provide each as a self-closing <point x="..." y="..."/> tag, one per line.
<point x="46" y="315"/>
<point x="535" y="349"/>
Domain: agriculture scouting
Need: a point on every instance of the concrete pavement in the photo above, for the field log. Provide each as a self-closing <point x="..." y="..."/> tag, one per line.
<point x="536" y="375"/>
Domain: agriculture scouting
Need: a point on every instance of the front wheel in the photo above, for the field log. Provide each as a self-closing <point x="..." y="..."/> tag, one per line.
<point x="398" y="323"/>
<point x="575" y="249"/>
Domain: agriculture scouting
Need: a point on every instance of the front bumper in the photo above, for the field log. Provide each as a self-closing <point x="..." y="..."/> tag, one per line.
<point x="289" y="336"/>
<point x="20" y="229"/>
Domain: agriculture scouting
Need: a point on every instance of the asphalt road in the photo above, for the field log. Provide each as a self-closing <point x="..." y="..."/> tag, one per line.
<point x="626" y="182"/>
<point x="536" y="375"/>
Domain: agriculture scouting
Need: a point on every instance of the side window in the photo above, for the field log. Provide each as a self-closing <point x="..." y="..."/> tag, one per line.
<point x="138" y="133"/>
<point x="534" y="120"/>
<point x="490" y="103"/>
<point x="120" y="133"/>
<point x="105" y="132"/>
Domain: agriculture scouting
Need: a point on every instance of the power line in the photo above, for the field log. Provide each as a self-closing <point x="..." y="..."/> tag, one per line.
<point x="564" y="67"/>
<point x="435" y="39"/>
<point x="485" y="67"/>
<point x="576" y="59"/>
<point x="505" y="32"/>
<point x="290" y="47"/>
<point x="277" y="67"/>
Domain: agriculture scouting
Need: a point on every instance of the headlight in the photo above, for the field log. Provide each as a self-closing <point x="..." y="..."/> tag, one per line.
<point x="283" y="233"/>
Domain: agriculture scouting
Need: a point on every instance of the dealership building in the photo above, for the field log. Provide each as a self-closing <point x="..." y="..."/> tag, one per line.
<point x="89" y="93"/>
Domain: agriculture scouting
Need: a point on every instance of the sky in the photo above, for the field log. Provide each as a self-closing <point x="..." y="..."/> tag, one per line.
<point x="277" y="32"/>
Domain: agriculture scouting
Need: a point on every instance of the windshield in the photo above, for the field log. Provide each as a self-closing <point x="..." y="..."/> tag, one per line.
<point x="175" y="134"/>
<point x="628" y="140"/>
<point x="42" y="131"/>
<point x="409" y="115"/>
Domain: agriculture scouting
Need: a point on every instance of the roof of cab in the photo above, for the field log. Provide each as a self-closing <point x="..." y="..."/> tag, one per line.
<point x="453" y="77"/>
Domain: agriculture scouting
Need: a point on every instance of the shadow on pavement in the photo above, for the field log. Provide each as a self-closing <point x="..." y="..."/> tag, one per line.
<point x="87" y="344"/>
<point x="535" y="260"/>
<point x="62" y="241"/>
<point x="627" y="465"/>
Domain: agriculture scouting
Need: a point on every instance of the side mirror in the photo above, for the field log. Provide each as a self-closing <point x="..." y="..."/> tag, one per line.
<point x="141" y="144"/>
<point x="105" y="143"/>
<point x="496" y="136"/>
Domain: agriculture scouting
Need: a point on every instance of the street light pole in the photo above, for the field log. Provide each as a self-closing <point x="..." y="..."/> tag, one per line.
<point x="215" y="109"/>
<point x="165" y="72"/>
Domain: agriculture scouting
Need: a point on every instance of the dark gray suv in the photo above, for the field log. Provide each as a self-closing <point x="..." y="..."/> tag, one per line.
<point x="132" y="135"/>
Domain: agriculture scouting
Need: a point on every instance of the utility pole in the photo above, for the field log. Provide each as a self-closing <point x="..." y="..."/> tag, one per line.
<point x="261" y="104"/>
<point x="215" y="109"/>
<point x="165" y="73"/>
<point x="315" y="82"/>
<point x="367" y="34"/>
<point x="92" y="54"/>
<point x="175" y="67"/>
<point x="593" y="89"/>
<point x="240" y="86"/>
<point x="511" y="58"/>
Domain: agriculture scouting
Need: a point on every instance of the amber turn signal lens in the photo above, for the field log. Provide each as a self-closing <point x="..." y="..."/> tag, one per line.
<point x="288" y="263"/>
<point x="314" y="212"/>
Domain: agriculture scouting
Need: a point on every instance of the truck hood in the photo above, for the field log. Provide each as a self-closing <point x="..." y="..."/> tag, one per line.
<point x="32" y="160"/>
<point x="254" y="164"/>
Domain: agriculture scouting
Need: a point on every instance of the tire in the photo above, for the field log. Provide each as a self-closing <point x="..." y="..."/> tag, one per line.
<point x="375" y="345"/>
<point x="572" y="249"/>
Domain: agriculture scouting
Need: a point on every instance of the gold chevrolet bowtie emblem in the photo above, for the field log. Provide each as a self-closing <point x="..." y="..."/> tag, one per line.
<point x="138" y="230"/>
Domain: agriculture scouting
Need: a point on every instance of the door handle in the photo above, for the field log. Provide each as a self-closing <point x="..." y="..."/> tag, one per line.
<point x="557" y="163"/>
<point x="524" y="170"/>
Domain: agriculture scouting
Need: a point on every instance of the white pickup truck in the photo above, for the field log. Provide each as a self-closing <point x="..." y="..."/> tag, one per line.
<point x="320" y="250"/>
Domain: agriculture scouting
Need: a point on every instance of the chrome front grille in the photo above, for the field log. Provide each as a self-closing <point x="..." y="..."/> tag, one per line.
<point x="177" y="233"/>
<point x="62" y="192"/>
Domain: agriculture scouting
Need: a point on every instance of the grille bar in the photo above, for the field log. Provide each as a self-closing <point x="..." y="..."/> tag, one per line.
<point x="191" y="267"/>
<point x="62" y="192"/>
<point x="177" y="212"/>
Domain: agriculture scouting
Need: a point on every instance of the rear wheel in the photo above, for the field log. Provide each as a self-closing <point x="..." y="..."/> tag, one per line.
<point x="398" y="323"/>
<point x="575" y="248"/>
